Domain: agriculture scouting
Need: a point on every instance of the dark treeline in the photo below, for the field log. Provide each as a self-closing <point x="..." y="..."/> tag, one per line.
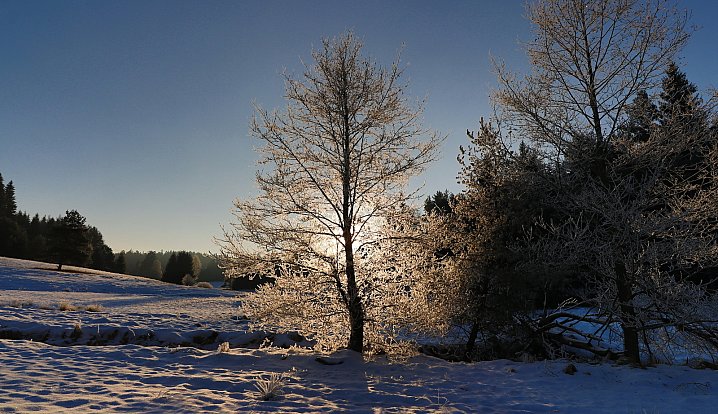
<point x="63" y="240"/>
<point x="155" y="265"/>
<point x="68" y="240"/>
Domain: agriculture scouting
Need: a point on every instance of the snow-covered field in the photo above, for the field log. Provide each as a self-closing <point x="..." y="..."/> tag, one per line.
<point x="103" y="342"/>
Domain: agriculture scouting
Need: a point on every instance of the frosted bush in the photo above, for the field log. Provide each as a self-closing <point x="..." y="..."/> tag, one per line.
<point x="270" y="388"/>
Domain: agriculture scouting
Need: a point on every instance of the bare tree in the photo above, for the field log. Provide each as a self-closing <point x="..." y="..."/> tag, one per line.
<point x="589" y="58"/>
<point x="336" y="163"/>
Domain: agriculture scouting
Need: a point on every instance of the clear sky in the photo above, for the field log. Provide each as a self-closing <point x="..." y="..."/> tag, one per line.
<point x="136" y="113"/>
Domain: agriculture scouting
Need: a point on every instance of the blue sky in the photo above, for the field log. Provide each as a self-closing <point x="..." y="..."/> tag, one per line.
<point x="136" y="113"/>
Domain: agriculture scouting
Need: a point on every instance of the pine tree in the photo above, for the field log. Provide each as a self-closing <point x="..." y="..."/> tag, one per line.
<point x="642" y="116"/>
<point x="70" y="244"/>
<point x="102" y="257"/>
<point x="10" y="205"/>
<point x="2" y="197"/>
<point x="120" y="265"/>
<point x="679" y="105"/>
<point x="440" y="203"/>
<point x="151" y="265"/>
<point x="171" y="272"/>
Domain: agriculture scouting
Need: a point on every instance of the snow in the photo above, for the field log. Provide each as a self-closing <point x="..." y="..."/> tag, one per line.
<point x="134" y="371"/>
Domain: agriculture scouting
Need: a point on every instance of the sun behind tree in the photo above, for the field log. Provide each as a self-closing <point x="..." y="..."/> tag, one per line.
<point x="337" y="161"/>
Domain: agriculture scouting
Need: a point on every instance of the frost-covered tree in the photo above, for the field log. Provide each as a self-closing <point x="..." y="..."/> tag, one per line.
<point x="589" y="59"/>
<point x="628" y="213"/>
<point x="336" y="163"/>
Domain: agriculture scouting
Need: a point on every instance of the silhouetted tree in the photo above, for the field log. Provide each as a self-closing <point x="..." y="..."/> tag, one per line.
<point x="182" y="264"/>
<point x="679" y="105"/>
<point x="10" y="205"/>
<point x="337" y="160"/>
<point x="102" y="257"/>
<point x="69" y="240"/>
<point x="171" y="272"/>
<point x="119" y="265"/>
<point x="441" y="203"/>
<point x="151" y="266"/>
<point x="13" y="238"/>
<point x="2" y="197"/>
<point x="642" y="115"/>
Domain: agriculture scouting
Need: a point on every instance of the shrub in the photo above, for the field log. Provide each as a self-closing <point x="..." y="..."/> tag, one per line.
<point x="66" y="306"/>
<point x="205" y="285"/>
<point x="223" y="347"/>
<point x="94" y="308"/>
<point x="189" y="280"/>
<point x="269" y="389"/>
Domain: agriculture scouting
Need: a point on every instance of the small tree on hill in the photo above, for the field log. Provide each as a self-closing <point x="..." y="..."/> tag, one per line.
<point x="69" y="240"/>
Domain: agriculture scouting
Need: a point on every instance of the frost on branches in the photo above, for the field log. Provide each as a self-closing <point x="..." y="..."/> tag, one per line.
<point x="336" y="164"/>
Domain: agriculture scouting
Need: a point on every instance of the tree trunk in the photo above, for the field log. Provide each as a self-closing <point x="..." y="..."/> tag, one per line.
<point x="628" y="315"/>
<point x="471" y="341"/>
<point x="356" y="310"/>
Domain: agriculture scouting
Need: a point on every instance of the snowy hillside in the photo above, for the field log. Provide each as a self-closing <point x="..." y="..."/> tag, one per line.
<point x="88" y="341"/>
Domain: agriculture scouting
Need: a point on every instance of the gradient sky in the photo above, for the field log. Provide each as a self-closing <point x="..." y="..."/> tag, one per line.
<point x="136" y="113"/>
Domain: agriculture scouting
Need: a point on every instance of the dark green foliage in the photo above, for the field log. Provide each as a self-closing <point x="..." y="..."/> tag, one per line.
<point x="440" y="203"/>
<point x="70" y="244"/>
<point x="151" y="266"/>
<point x="2" y="196"/>
<point x="119" y="265"/>
<point x="9" y="203"/>
<point x="13" y="239"/>
<point x="502" y="200"/>
<point x="152" y="263"/>
<point x="642" y="116"/>
<point x="184" y="265"/>
<point x="102" y="257"/>
<point x="171" y="273"/>
<point x="36" y="238"/>
<point x="182" y="268"/>
<point x="679" y="104"/>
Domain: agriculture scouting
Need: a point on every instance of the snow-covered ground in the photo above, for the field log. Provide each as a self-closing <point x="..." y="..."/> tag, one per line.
<point x="109" y="343"/>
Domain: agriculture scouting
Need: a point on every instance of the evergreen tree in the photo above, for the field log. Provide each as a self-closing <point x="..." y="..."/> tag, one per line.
<point x="102" y="257"/>
<point x="185" y="268"/>
<point x="441" y="203"/>
<point x="10" y="205"/>
<point x="70" y="244"/>
<point x="642" y="116"/>
<point x="171" y="273"/>
<point x="2" y="198"/>
<point x="120" y="265"/>
<point x="182" y="264"/>
<point x="151" y="266"/>
<point x="679" y="105"/>
<point x="13" y="239"/>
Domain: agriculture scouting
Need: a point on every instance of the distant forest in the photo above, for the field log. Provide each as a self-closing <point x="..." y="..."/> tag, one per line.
<point x="153" y="264"/>
<point x="46" y="239"/>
